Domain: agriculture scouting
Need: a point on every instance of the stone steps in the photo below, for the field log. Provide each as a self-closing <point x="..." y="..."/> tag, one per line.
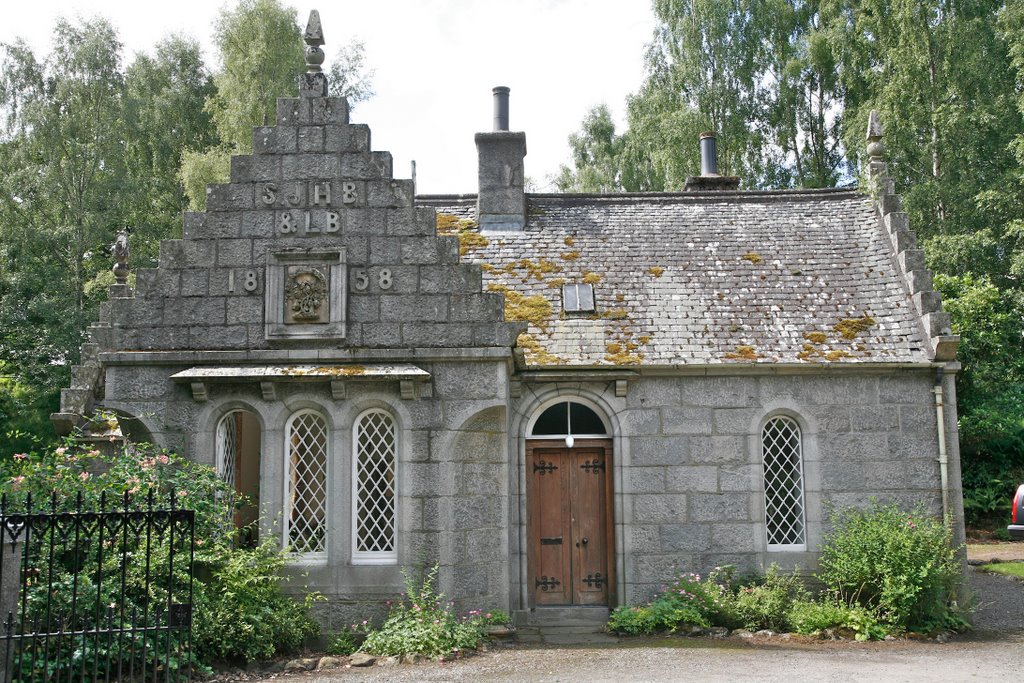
<point x="563" y="626"/>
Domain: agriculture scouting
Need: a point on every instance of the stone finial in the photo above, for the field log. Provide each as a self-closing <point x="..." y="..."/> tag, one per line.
<point x="121" y="254"/>
<point x="313" y="83"/>
<point x="314" y="37"/>
<point x="876" y="148"/>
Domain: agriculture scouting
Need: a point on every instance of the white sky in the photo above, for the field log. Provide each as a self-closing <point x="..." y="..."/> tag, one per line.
<point x="436" y="62"/>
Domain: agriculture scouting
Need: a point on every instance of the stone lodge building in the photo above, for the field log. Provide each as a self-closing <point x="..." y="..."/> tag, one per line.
<point x="562" y="398"/>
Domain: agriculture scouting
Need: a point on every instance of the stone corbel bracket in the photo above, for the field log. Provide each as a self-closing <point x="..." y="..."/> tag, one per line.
<point x="909" y="258"/>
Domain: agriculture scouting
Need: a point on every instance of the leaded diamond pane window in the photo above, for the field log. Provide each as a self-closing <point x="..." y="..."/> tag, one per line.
<point x="306" y="502"/>
<point x="374" y="496"/>
<point x="227" y="449"/>
<point x="783" y="485"/>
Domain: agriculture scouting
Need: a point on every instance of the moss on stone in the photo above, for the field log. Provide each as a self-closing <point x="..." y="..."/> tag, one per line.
<point x="656" y="271"/>
<point x="535" y="352"/>
<point x="753" y="257"/>
<point x="849" y="328"/>
<point x="744" y="353"/>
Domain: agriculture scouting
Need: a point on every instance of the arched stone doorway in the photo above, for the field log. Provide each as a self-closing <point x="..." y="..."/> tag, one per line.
<point x="570" y="526"/>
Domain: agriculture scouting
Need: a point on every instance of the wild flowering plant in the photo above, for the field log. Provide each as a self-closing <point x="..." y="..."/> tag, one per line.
<point x="424" y="623"/>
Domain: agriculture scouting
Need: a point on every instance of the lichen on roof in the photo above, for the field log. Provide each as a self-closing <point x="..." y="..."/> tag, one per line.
<point x="465" y="229"/>
<point x="809" y="302"/>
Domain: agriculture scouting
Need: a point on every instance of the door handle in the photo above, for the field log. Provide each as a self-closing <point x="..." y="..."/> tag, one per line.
<point x="583" y="541"/>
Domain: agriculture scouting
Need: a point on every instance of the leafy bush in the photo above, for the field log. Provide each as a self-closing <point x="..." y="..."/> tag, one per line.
<point x="348" y="641"/>
<point x="423" y="623"/>
<point x="766" y="605"/>
<point x="246" y="615"/>
<point x="239" y="611"/>
<point x="813" y="616"/>
<point x="686" y="601"/>
<point x="900" y="565"/>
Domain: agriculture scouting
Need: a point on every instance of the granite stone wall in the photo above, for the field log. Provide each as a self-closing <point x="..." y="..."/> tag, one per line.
<point x="689" y="476"/>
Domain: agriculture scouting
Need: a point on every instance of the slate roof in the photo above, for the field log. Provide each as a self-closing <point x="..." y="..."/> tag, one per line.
<point x="699" y="278"/>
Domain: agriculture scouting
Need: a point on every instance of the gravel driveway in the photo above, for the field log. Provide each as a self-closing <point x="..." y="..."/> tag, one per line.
<point x="993" y="651"/>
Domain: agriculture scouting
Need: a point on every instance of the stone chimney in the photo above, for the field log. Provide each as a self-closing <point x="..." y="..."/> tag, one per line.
<point x="501" y="202"/>
<point x="709" y="180"/>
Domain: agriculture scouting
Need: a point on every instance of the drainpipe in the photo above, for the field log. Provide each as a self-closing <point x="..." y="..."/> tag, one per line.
<point x="940" y="416"/>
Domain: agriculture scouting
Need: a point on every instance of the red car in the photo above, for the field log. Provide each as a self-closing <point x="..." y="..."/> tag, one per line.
<point x="1016" y="527"/>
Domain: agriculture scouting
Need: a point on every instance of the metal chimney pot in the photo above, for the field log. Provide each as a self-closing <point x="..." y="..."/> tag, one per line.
<point x="501" y="108"/>
<point x="708" y="154"/>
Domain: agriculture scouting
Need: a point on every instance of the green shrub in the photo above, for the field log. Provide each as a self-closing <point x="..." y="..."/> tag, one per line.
<point x="687" y="601"/>
<point x="766" y="605"/>
<point x="808" y="617"/>
<point x="423" y="623"/>
<point x="348" y="640"/>
<point x="246" y="616"/>
<point x="900" y="565"/>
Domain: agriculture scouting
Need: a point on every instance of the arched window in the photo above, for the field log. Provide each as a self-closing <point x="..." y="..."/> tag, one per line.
<point x="306" y="494"/>
<point x="568" y="418"/>
<point x="783" y="485"/>
<point x="373" y="496"/>
<point x="237" y="459"/>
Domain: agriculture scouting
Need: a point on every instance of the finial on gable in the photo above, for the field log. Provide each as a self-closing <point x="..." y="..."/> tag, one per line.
<point x="314" y="37"/>
<point x="313" y="83"/>
<point x="876" y="148"/>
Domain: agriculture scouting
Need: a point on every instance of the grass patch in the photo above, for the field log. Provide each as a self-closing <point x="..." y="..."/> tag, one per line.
<point x="1015" y="569"/>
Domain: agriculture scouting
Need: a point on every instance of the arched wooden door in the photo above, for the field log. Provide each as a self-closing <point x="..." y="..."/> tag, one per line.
<point x="569" y="522"/>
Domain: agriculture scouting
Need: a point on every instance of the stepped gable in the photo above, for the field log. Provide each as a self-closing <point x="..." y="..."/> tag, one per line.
<point x="313" y="240"/>
<point x="695" y="278"/>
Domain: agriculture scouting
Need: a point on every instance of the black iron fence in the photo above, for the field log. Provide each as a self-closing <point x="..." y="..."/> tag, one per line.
<point x="97" y="592"/>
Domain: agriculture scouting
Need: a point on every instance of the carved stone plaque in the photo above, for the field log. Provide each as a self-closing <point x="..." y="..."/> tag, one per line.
<point x="305" y="294"/>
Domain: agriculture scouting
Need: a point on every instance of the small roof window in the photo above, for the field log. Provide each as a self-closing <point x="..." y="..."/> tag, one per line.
<point x="578" y="298"/>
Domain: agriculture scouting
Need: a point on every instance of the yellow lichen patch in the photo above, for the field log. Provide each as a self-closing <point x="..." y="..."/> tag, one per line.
<point x="615" y="314"/>
<point x="463" y="228"/>
<point x="556" y="282"/>
<point x="613" y="348"/>
<point x="809" y="353"/>
<point x="849" y="328"/>
<point x="815" y="337"/>
<point x="753" y="257"/>
<point x="644" y="339"/>
<point x="570" y="255"/>
<point x="447" y="224"/>
<point x="470" y="240"/>
<point x="744" y="352"/>
<point x="569" y="241"/>
<point x="488" y="268"/>
<point x="656" y="271"/>
<point x="620" y="297"/>
<point x="537" y="269"/>
<point x="591" y="278"/>
<point x="536" y="354"/>
<point x="837" y="354"/>
<point x="534" y="309"/>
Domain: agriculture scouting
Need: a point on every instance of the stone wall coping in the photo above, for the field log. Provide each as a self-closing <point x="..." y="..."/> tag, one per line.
<point x="347" y="372"/>
<point x="302" y="355"/>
